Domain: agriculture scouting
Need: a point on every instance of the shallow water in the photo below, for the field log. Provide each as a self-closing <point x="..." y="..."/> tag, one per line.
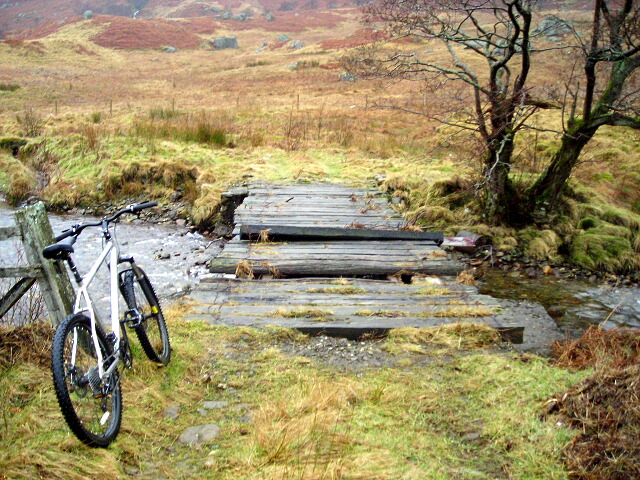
<point x="172" y="257"/>
<point x="573" y="304"/>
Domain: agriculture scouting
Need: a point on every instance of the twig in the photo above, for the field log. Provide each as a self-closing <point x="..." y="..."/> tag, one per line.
<point x="610" y="315"/>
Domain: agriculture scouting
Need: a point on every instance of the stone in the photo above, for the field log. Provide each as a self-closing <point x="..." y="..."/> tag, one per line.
<point x="296" y="44"/>
<point x="199" y="434"/>
<point x="347" y="77"/>
<point x="270" y="17"/>
<point x="169" y="49"/>
<point x="87" y="14"/>
<point x="212" y="405"/>
<point x="172" y="411"/>
<point x="283" y="38"/>
<point x="225" y="42"/>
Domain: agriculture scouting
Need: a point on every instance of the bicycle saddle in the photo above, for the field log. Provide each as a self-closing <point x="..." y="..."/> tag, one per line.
<point x="60" y="250"/>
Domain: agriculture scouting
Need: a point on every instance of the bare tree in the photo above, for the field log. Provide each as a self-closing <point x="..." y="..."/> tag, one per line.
<point x="490" y="51"/>
<point x="610" y="96"/>
<point x="497" y="32"/>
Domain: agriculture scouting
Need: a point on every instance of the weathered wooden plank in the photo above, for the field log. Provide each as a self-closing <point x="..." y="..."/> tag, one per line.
<point x="28" y="271"/>
<point x="400" y="262"/>
<point x="9" y="232"/>
<point x="339" y="268"/>
<point x="357" y="329"/>
<point x="342" y="305"/>
<point x="291" y="286"/>
<point x="14" y="294"/>
<point x="314" y="199"/>
<point x="344" y="219"/>
<point x="338" y="244"/>
<point x="279" y="232"/>
<point x="319" y="251"/>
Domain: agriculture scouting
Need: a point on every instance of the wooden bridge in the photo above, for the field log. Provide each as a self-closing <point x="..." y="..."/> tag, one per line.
<point x="337" y="260"/>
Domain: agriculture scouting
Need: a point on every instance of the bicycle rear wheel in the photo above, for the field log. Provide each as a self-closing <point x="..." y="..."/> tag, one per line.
<point x="152" y="331"/>
<point x="91" y="408"/>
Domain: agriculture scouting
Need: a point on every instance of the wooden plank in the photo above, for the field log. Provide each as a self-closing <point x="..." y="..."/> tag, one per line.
<point x="356" y="330"/>
<point x="338" y="245"/>
<point x="28" y="271"/>
<point x="14" y="294"/>
<point x="291" y="286"/>
<point x="280" y="232"/>
<point x="400" y="261"/>
<point x="339" y="268"/>
<point x="9" y="232"/>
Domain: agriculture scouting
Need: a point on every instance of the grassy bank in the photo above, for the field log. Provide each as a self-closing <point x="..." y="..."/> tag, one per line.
<point x="446" y="414"/>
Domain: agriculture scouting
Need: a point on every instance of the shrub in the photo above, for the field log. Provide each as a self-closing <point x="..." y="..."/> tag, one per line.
<point x="31" y="122"/>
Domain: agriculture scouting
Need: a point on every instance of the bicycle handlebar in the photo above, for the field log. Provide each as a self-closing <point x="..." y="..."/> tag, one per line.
<point x="133" y="208"/>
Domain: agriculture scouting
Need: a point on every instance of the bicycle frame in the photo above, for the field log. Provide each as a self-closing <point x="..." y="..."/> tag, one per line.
<point x="112" y="251"/>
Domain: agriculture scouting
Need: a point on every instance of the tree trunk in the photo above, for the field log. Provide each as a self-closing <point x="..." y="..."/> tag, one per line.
<point x="545" y="194"/>
<point x="500" y="197"/>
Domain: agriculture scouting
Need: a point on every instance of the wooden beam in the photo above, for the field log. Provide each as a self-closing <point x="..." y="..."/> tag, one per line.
<point x="14" y="294"/>
<point x="288" y="233"/>
<point x="28" y="271"/>
<point x="9" y="232"/>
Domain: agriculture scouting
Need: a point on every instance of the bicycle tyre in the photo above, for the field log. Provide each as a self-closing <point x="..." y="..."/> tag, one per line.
<point x="152" y="331"/>
<point x="95" y="421"/>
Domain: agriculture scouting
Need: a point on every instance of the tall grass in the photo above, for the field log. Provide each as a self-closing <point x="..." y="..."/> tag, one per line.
<point x="215" y="130"/>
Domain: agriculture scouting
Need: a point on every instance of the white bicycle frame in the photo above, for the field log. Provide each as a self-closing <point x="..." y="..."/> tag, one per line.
<point x="111" y="250"/>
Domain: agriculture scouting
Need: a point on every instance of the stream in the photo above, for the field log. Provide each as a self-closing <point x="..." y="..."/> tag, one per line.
<point x="172" y="256"/>
<point x="174" y="259"/>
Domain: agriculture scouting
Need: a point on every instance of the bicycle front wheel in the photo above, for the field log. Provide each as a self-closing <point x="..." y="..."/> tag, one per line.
<point x="92" y="408"/>
<point x="152" y="331"/>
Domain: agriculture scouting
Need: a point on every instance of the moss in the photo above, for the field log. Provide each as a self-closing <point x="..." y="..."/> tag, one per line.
<point x="621" y="216"/>
<point x="540" y="244"/>
<point x="430" y="214"/>
<point x="604" y="252"/>
<point x="587" y="223"/>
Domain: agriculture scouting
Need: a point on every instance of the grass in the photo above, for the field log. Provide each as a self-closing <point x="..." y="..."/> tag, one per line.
<point x="462" y="416"/>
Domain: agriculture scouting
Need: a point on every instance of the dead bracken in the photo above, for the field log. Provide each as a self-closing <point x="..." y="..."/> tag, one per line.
<point x="604" y="408"/>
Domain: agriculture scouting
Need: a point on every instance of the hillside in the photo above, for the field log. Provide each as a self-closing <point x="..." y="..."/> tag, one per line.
<point x="19" y="16"/>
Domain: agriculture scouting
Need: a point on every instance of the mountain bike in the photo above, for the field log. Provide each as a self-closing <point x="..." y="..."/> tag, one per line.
<point x="88" y="360"/>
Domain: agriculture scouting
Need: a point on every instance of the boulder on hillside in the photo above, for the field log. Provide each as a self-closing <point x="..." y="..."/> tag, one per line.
<point x="87" y="14"/>
<point x="283" y="38"/>
<point x="347" y="77"/>
<point x="169" y="49"/>
<point x="553" y="27"/>
<point x="296" y="44"/>
<point x="225" y="42"/>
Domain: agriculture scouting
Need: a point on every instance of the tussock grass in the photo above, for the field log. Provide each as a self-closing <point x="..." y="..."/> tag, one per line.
<point x="457" y="336"/>
<point x="317" y="314"/>
<point x="433" y="291"/>
<point x="342" y="290"/>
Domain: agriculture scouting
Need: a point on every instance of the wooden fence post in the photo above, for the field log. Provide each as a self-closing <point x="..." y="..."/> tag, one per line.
<point x="54" y="282"/>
